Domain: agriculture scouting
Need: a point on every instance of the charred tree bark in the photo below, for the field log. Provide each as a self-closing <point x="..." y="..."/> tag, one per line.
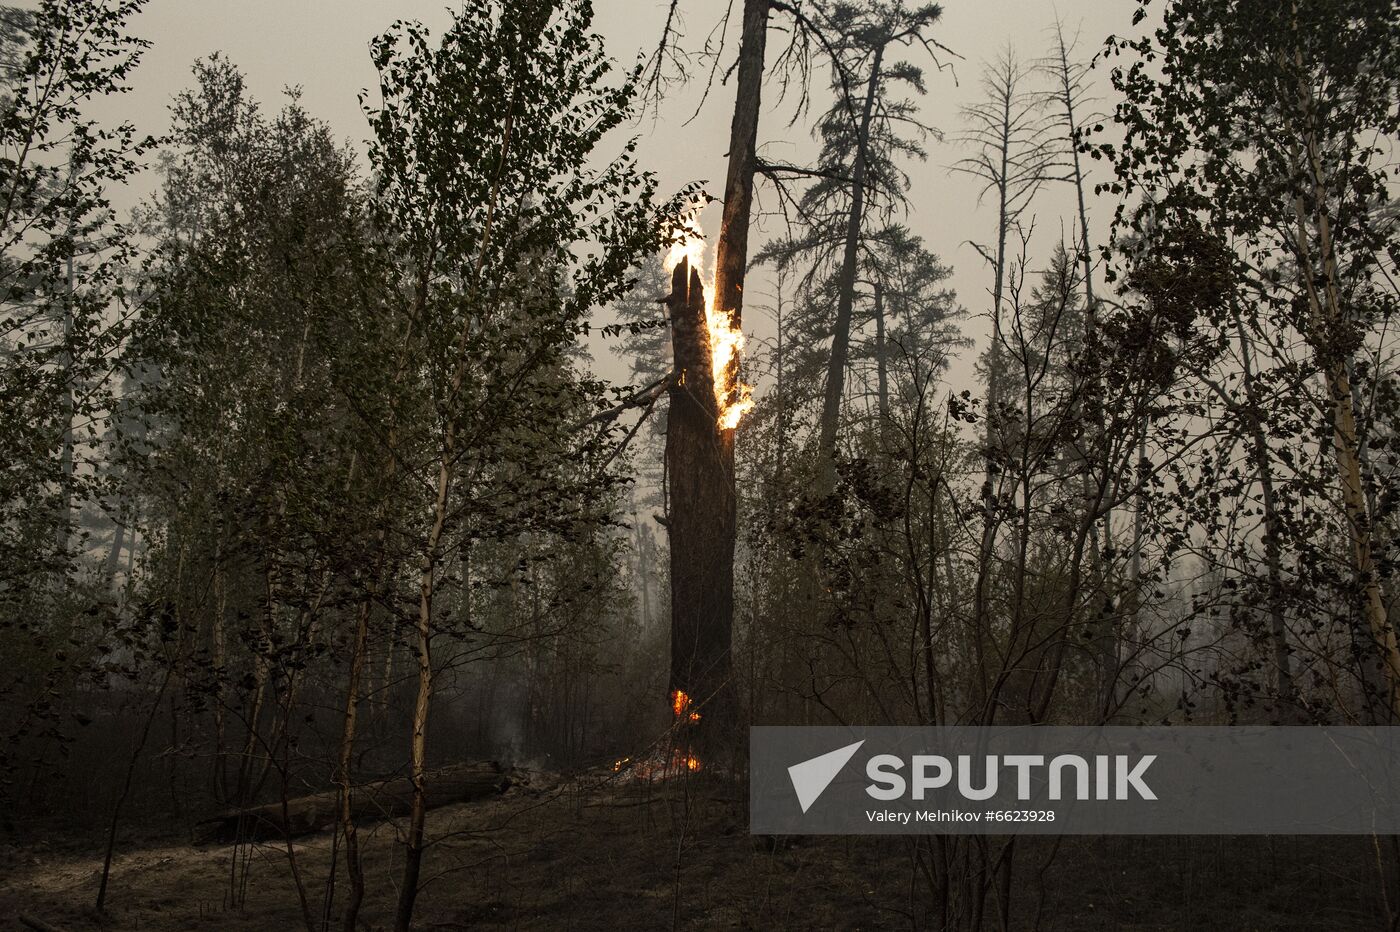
<point x="701" y="523"/>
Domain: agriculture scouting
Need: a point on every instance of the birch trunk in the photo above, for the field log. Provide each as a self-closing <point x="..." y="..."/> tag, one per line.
<point x="1318" y="267"/>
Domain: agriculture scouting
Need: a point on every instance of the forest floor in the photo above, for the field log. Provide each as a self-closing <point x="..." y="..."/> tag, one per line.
<point x="611" y="855"/>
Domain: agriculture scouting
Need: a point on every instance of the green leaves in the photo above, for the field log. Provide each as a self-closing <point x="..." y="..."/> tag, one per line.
<point x="506" y="222"/>
<point x="64" y="314"/>
<point x="1254" y="233"/>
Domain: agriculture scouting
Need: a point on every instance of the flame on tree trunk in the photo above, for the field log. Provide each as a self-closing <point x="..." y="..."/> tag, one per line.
<point x="707" y="402"/>
<point x="700" y="486"/>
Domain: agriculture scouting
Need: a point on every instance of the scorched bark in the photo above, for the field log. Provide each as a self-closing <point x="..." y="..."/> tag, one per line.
<point x="700" y="486"/>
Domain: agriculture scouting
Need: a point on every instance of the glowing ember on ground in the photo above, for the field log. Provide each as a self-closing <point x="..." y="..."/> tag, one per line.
<point x="732" y="397"/>
<point x="658" y="766"/>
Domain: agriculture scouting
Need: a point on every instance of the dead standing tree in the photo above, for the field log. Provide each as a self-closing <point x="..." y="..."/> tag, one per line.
<point x="699" y="447"/>
<point x="701" y="522"/>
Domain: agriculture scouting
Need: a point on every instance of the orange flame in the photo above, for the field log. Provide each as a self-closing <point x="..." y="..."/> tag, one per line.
<point x="680" y="706"/>
<point x="661" y="764"/>
<point x="733" y="397"/>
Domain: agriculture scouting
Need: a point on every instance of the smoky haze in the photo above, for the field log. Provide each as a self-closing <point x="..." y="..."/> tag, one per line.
<point x="320" y="47"/>
<point x="336" y="591"/>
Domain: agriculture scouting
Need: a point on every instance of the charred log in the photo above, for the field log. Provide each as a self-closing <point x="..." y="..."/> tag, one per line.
<point x="381" y="799"/>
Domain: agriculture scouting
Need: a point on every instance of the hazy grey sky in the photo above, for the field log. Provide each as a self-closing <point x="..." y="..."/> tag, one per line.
<point x="321" y="45"/>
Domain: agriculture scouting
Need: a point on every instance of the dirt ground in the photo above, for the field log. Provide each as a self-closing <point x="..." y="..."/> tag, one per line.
<point x="603" y="855"/>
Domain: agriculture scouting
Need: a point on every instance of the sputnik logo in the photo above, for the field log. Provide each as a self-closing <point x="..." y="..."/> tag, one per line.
<point x="811" y="777"/>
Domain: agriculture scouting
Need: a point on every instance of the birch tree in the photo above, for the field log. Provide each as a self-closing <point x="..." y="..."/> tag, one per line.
<point x="1273" y="126"/>
<point x="508" y="230"/>
<point x="65" y="313"/>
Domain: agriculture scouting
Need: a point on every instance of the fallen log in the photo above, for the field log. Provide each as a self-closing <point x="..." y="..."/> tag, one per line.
<point x="38" y="925"/>
<point x="380" y="799"/>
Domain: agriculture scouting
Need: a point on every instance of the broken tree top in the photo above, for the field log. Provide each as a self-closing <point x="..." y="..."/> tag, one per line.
<point x="690" y="339"/>
<point x="707" y="347"/>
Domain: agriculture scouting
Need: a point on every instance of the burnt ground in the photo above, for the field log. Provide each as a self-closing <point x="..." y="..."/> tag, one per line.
<point x="597" y="855"/>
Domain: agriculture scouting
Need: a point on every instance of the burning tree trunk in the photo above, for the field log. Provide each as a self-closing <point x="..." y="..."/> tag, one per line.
<point x="700" y="486"/>
<point x="700" y="439"/>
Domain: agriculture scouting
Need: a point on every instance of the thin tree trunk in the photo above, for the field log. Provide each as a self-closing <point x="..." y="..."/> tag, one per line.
<point x="841" y="330"/>
<point x="358" y="651"/>
<point x="986" y="545"/>
<point x="66" y="459"/>
<point x="261" y="671"/>
<point x="131" y="553"/>
<point x="219" y="656"/>
<point x="881" y="366"/>
<point x="100" y="905"/>
<point x="248" y="786"/>
<point x="114" y="554"/>
<point x="447" y="459"/>
<point x="1107" y="636"/>
<point x="1285" y="689"/>
<point x="418" y="746"/>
